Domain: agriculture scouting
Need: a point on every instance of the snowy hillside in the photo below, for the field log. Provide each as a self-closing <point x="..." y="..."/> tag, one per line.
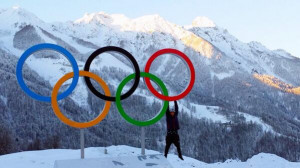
<point x="46" y="158"/>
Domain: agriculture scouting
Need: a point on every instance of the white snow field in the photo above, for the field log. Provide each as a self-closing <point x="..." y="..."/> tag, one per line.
<point x="153" y="161"/>
<point x="47" y="158"/>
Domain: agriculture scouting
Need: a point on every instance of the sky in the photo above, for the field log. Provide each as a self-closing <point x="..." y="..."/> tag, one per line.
<point x="274" y="23"/>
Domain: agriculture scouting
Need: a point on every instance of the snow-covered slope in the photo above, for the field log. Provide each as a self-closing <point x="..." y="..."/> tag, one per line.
<point x="229" y="74"/>
<point x="46" y="158"/>
<point x="252" y="57"/>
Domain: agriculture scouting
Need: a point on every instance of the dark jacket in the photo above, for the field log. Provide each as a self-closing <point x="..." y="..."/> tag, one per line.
<point x="172" y="122"/>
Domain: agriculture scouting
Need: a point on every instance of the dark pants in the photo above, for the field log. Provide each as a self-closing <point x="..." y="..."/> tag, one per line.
<point x="172" y="138"/>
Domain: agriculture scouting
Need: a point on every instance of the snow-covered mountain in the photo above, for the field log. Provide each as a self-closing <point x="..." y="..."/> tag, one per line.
<point x="46" y="158"/>
<point x="232" y="78"/>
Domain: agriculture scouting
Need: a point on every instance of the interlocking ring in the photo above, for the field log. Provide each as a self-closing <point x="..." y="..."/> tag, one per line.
<point x="107" y="95"/>
<point x="128" y="56"/>
<point x="127" y="117"/>
<point x="72" y="123"/>
<point x="44" y="46"/>
<point x="186" y="60"/>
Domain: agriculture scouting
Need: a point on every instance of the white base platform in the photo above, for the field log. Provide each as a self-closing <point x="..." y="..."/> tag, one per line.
<point x="147" y="161"/>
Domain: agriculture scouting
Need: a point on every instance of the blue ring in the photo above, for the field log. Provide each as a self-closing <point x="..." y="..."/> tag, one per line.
<point x="36" y="48"/>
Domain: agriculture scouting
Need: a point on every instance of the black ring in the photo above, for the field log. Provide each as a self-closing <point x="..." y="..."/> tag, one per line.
<point x="123" y="52"/>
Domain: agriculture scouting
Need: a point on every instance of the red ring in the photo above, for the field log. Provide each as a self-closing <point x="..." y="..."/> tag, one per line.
<point x="190" y="65"/>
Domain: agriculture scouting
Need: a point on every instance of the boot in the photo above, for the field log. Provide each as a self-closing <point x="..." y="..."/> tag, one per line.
<point x="180" y="156"/>
<point x="179" y="151"/>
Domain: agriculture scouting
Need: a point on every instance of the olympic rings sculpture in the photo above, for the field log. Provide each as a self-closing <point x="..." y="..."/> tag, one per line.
<point x="107" y="95"/>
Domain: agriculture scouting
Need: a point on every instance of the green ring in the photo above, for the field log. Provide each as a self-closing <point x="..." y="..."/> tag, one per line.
<point x="128" y="118"/>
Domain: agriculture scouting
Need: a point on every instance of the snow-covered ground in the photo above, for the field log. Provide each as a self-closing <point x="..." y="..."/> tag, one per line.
<point x="211" y="113"/>
<point x="259" y="121"/>
<point x="46" y="158"/>
<point x="208" y="112"/>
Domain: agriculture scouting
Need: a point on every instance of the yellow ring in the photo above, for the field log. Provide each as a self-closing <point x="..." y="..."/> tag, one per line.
<point x="72" y="123"/>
